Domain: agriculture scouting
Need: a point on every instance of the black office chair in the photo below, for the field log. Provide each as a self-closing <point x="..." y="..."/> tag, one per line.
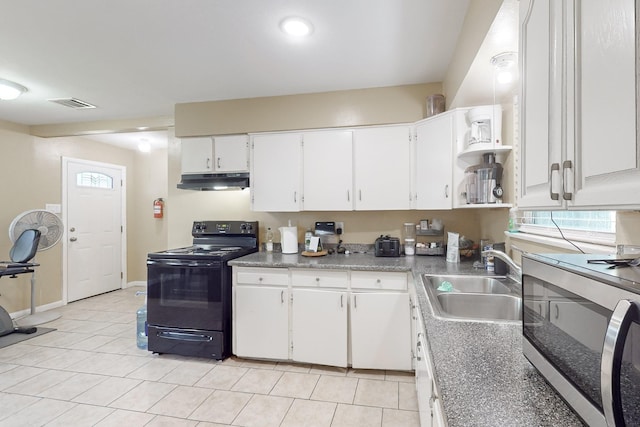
<point x="25" y="247"/>
<point x="23" y="251"/>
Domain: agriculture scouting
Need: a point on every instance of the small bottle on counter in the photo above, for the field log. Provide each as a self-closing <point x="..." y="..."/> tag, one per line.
<point x="269" y="244"/>
<point x="307" y="239"/>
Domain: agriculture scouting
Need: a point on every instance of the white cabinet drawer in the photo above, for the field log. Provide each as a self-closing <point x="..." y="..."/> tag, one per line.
<point x="379" y="280"/>
<point x="319" y="278"/>
<point x="262" y="276"/>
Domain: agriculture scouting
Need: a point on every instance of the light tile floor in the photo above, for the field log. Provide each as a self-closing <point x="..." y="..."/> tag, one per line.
<point x="90" y="372"/>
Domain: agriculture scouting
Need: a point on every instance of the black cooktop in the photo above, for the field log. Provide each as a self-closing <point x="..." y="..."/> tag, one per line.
<point x="222" y="240"/>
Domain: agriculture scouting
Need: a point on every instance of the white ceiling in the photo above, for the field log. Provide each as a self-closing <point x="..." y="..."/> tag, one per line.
<point x="139" y="58"/>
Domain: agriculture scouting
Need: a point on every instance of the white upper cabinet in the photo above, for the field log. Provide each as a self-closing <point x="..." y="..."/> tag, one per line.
<point x="434" y="162"/>
<point x="328" y="170"/>
<point x="197" y="155"/>
<point x="276" y="172"/>
<point x="220" y="154"/>
<point x="231" y="153"/>
<point x="607" y="167"/>
<point x="541" y="102"/>
<point x="382" y="168"/>
<point x="578" y="130"/>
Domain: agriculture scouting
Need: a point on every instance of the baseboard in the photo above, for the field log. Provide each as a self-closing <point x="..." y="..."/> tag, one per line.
<point x="136" y="283"/>
<point x="57" y="304"/>
<point x="39" y="309"/>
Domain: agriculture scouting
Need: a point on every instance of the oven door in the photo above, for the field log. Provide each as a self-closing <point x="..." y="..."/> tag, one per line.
<point x="189" y="294"/>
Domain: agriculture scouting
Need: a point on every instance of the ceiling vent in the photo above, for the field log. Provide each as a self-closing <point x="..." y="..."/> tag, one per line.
<point x="73" y="103"/>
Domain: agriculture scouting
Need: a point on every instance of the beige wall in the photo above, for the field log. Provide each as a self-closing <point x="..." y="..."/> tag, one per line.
<point x="310" y="111"/>
<point x="146" y="233"/>
<point x="477" y="22"/>
<point x="30" y="170"/>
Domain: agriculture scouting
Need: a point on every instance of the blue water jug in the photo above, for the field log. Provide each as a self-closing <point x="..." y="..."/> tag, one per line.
<point x="141" y="325"/>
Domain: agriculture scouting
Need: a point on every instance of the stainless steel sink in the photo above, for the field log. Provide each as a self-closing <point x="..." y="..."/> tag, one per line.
<point x="477" y="284"/>
<point x="481" y="306"/>
<point x="480" y="298"/>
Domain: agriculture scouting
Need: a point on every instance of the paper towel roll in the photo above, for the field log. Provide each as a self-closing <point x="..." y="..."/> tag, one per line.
<point x="289" y="239"/>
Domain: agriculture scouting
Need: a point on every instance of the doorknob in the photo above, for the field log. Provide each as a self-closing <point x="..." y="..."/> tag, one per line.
<point x="73" y="239"/>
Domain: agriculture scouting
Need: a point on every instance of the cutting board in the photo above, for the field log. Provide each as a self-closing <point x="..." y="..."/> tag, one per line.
<point x="320" y="253"/>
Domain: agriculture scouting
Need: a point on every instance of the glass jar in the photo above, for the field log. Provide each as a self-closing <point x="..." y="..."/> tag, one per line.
<point x="435" y="104"/>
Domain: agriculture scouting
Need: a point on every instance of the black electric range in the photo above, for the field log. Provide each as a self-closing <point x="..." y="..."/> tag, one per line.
<point x="189" y="290"/>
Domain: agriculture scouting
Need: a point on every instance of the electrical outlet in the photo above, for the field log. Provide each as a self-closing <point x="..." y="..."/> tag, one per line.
<point x="340" y="225"/>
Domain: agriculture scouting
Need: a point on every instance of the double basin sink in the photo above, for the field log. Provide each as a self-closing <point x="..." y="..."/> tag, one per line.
<point x="466" y="297"/>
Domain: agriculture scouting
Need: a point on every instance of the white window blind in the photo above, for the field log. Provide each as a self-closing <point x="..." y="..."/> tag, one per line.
<point x="583" y="226"/>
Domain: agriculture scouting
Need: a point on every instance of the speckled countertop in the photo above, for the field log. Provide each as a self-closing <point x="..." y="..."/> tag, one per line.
<point x="482" y="376"/>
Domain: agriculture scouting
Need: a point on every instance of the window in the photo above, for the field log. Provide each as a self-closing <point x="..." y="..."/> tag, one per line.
<point x="94" y="179"/>
<point x="583" y="226"/>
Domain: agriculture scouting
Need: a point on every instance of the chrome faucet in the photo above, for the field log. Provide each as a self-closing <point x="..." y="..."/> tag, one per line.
<point x="515" y="268"/>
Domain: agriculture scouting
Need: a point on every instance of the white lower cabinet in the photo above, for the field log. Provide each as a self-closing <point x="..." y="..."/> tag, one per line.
<point x="429" y="403"/>
<point x="380" y="330"/>
<point x="261" y="313"/>
<point x="262" y="322"/>
<point x="319" y="326"/>
<point x="323" y="316"/>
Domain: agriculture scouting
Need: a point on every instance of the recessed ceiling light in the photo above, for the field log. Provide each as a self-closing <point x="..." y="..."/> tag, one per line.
<point x="297" y="27"/>
<point x="10" y="90"/>
<point x="144" y="146"/>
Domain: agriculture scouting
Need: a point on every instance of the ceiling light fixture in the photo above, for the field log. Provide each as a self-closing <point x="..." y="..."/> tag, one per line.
<point x="10" y="90"/>
<point x="144" y="146"/>
<point x="297" y="27"/>
<point x="504" y="66"/>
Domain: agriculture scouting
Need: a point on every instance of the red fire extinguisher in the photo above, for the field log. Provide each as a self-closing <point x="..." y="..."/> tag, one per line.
<point x="158" y="208"/>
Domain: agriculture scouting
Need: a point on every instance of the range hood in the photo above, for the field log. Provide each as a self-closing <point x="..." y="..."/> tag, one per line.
<point x="214" y="181"/>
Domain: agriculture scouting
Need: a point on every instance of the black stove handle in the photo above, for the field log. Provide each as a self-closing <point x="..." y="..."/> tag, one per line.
<point x="181" y="336"/>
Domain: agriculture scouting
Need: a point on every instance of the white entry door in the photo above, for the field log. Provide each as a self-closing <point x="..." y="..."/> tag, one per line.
<point x="94" y="220"/>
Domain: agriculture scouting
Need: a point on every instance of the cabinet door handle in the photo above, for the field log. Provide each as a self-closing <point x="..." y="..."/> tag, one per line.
<point x="446" y="191"/>
<point x="348" y="196"/>
<point x="566" y="165"/>
<point x="218" y="163"/>
<point x="341" y="301"/>
<point x="208" y="163"/>
<point x="557" y="311"/>
<point x="355" y="302"/>
<point x="295" y="197"/>
<point x="554" y="167"/>
<point x="360" y="195"/>
<point x="282" y="297"/>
